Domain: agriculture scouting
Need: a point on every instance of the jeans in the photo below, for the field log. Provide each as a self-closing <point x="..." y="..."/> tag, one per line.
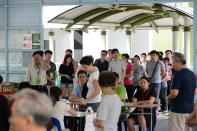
<point x="94" y="106"/>
<point x="163" y="98"/>
<point x="130" y="91"/>
<point x="156" y="87"/>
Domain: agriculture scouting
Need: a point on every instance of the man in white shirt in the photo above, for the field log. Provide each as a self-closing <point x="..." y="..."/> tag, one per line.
<point x="36" y="72"/>
<point x="143" y="62"/>
<point x="118" y="66"/>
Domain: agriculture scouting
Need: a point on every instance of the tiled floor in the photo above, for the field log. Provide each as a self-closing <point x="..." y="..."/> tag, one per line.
<point x="162" y="122"/>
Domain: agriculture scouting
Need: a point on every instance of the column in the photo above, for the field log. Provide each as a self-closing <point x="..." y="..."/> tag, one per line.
<point x="104" y="38"/>
<point x="51" y="44"/>
<point x="187" y="40"/>
<point x="175" y="32"/>
<point x="129" y="43"/>
<point x="195" y="37"/>
<point x="78" y="45"/>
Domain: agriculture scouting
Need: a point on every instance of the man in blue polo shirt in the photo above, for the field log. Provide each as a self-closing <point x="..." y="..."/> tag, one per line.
<point x="181" y="96"/>
<point x="81" y="89"/>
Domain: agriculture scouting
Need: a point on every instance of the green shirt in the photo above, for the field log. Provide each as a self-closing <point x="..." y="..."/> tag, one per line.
<point x="121" y="92"/>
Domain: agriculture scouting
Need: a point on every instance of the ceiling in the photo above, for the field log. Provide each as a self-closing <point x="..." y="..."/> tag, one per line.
<point x="123" y="16"/>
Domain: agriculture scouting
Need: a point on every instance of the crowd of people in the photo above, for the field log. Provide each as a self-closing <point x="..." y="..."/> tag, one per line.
<point x="103" y="85"/>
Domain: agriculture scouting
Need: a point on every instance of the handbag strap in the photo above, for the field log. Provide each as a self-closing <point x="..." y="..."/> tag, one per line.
<point x="154" y="69"/>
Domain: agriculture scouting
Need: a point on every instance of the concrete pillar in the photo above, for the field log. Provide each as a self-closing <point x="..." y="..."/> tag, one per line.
<point x="175" y="32"/>
<point x="51" y="44"/>
<point x="187" y="40"/>
<point x="104" y="38"/>
<point x="195" y="37"/>
<point x="129" y="43"/>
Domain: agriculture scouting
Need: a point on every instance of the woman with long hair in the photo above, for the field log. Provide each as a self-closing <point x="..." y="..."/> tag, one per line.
<point x="66" y="72"/>
<point x="128" y="81"/>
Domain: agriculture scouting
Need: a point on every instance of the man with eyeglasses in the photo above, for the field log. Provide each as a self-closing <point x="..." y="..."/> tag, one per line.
<point x="102" y="64"/>
<point x="80" y="91"/>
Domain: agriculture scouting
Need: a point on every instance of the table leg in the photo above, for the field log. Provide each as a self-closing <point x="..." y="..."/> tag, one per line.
<point x="151" y="119"/>
<point x="142" y="119"/>
<point x="80" y="124"/>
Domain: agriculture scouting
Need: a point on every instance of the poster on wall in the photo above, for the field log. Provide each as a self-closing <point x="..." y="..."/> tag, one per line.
<point x="35" y="41"/>
<point x="27" y="41"/>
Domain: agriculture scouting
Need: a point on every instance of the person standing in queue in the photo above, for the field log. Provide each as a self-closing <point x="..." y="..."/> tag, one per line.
<point x="51" y="73"/>
<point x="36" y="72"/>
<point x="128" y="80"/>
<point x="66" y="72"/>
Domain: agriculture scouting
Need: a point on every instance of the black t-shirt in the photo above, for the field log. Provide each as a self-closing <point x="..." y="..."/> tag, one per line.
<point x="4" y="114"/>
<point x="68" y="70"/>
<point x="185" y="82"/>
<point x="140" y="95"/>
<point x="51" y="72"/>
<point x="84" y="91"/>
<point x="101" y="66"/>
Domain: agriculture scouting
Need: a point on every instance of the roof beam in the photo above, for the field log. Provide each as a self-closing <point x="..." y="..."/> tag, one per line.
<point x="132" y="19"/>
<point x="86" y="15"/>
<point x="148" y="19"/>
<point x="113" y="12"/>
<point x="154" y="25"/>
<point x="137" y="17"/>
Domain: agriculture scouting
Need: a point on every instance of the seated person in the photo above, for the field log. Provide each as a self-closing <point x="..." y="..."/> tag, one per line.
<point x="1" y="82"/>
<point x="80" y="91"/>
<point x="60" y="107"/>
<point x="23" y="85"/>
<point x="30" y="111"/>
<point x="4" y="114"/>
<point x="119" y="89"/>
<point x="110" y="106"/>
<point x="143" y="96"/>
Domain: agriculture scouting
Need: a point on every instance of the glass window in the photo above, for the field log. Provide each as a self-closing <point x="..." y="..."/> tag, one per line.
<point x="2" y="61"/>
<point x="2" y="39"/>
<point x="17" y="77"/>
<point x="17" y="38"/>
<point x="18" y="61"/>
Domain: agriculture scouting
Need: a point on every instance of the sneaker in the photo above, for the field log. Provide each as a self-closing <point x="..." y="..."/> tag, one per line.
<point x="165" y="111"/>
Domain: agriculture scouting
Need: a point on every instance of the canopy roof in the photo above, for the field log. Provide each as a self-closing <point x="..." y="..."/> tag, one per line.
<point x="128" y="16"/>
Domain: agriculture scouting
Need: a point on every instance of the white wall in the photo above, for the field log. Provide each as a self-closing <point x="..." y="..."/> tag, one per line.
<point x="117" y="39"/>
<point x="63" y="41"/>
<point x="141" y="42"/>
<point x="92" y="43"/>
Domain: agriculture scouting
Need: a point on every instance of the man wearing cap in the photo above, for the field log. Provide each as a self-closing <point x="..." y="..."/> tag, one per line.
<point x="36" y="72"/>
<point x="155" y="70"/>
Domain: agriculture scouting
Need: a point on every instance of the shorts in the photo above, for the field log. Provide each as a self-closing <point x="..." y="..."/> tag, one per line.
<point x="146" y="116"/>
<point x="66" y="85"/>
<point x="176" y="122"/>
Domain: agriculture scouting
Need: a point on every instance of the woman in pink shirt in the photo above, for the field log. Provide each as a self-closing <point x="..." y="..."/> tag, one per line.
<point x="128" y="82"/>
